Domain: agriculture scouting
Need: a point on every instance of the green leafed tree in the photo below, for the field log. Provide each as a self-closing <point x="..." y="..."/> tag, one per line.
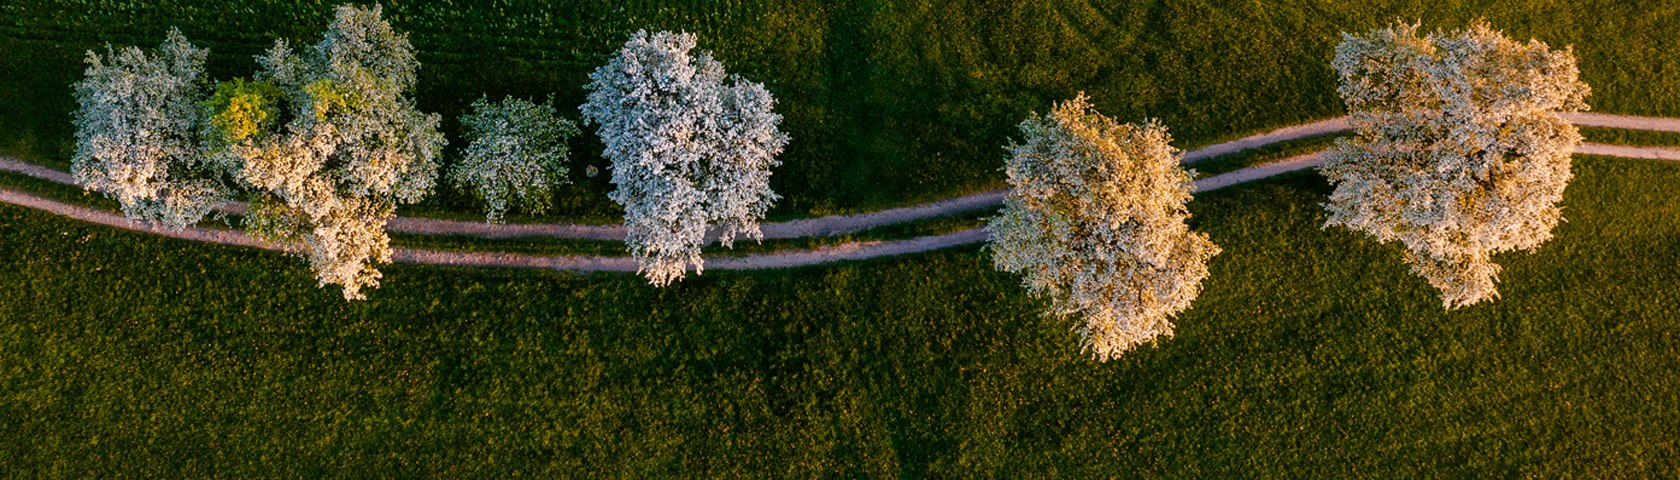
<point x="515" y="155"/>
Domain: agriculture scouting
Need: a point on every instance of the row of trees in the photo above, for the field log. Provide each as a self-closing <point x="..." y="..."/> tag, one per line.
<point x="326" y="142"/>
<point x="1458" y="154"/>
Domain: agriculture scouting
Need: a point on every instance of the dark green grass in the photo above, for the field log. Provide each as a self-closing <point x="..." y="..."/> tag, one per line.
<point x="1267" y="154"/>
<point x="1312" y="353"/>
<point x="742" y="246"/>
<point x="582" y="200"/>
<point x="887" y="101"/>
<point x="57" y="191"/>
<point x="538" y="246"/>
<point x="1639" y="138"/>
<point x="531" y="246"/>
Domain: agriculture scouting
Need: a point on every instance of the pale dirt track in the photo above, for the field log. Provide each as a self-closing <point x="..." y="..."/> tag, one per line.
<point x="846" y="224"/>
<point x="785" y="259"/>
<point x="810" y="227"/>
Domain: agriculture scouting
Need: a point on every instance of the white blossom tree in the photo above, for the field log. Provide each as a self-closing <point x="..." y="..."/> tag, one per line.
<point x="690" y="147"/>
<point x="1096" y="222"/>
<point x="1459" y="152"/>
<point x="137" y="132"/>
<point x="515" y="156"/>
<point x="353" y="146"/>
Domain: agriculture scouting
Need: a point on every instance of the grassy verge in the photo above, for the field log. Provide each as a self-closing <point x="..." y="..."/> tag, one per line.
<point x="550" y="246"/>
<point x="540" y="246"/>
<point x="888" y="102"/>
<point x="1311" y="353"/>
<point x="1638" y="138"/>
<point x="57" y="191"/>
<point x="1267" y="154"/>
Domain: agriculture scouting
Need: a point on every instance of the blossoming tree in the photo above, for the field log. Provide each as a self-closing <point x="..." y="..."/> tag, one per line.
<point x="515" y="155"/>
<point x="353" y="145"/>
<point x="690" y="147"/>
<point x="1096" y="222"/>
<point x="1459" y="151"/>
<point x="137" y="132"/>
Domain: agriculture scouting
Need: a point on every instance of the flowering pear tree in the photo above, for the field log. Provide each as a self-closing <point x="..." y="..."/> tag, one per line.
<point x="515" y="156"/>
<point x="137" y="129"/>
<point x="351" y="147"/>
<point x="690" y="147"/>
<point x="1096" y="222"/>
<point x="1459" y="152"/>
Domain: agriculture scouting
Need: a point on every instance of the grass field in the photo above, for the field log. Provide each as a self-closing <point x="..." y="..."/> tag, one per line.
<point x="1267" y="154"/>
<point x="1312" y="353"/>
<point x="1631" y="137"/>
<point x="887" y="101"/>
<point x="743" y="246"/>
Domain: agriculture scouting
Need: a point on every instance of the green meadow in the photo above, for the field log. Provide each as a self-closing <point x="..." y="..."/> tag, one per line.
<point x="1311" y="353"/>
<point x="888" y="102"/>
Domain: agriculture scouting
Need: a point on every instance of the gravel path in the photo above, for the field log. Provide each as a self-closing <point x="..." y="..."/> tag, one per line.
<point x="14" y="165"/>
<point x="785" y="259"/>
<point x="823" y="226"/>
<point x="850" y="251"/>
<point x="1298" y="162"/>
<point x="1625" y="122"/>
<point x="1649" y="153"/>
<point x="113" y="219"/>
<point x="845" y="224"/>
<point x="833" y="225"/>
<point x="1295" y="132"/>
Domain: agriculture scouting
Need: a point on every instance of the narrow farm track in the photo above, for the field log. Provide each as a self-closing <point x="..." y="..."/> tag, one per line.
<point x="845" y="224"/>
<point x="14" y="165"/>
<point x="785" y="259"/>
<point x="800" y="228"/>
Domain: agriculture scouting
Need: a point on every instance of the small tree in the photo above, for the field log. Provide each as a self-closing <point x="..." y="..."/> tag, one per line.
<point x="1459" y="152"/>
<point x="687" y="149"/>
<point x="1096" y="222"/>
<point x="515" y="157"/>
<point x="352" y="145"/>
<point x="137" y="132"/>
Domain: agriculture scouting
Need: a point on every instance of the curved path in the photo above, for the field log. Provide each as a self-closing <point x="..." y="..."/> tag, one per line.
<point x="845" y="224"/>
<point x="877" y="249"/>
<point x="785" y="259"/>
<point x="809" y="227"/>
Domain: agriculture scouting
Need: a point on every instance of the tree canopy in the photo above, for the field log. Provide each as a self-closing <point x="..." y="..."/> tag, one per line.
<point x="515" y="155"/>
<point x="1095" y="221"/>
<point x="691" y="148"/>
<point x="1459" y="152"/>
<point x="138" y="129"/>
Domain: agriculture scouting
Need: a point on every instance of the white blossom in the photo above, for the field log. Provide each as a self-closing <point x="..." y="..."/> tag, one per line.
<point x="137" y="132"/>
<point x="690" y="146"/>
<point x="1459" y="152"/>
<point x="354" y="147"/>
<point x="1096" y="222"/>
<point x="515" y="156"/>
